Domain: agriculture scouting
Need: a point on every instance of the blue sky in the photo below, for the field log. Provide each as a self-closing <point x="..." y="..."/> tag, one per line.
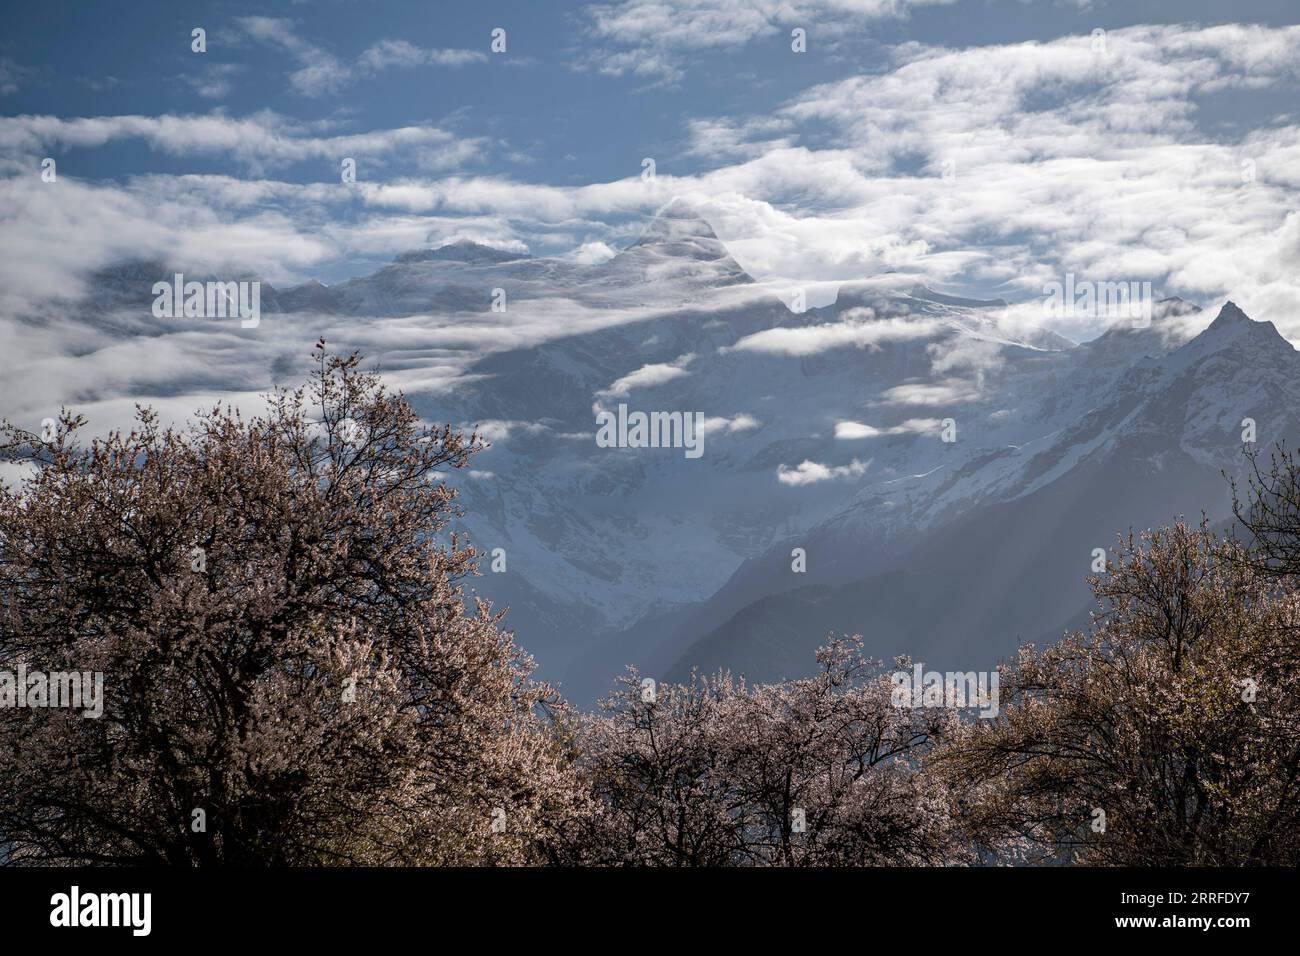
<point x="827" y="165"/>
<point x="546" y="109"/>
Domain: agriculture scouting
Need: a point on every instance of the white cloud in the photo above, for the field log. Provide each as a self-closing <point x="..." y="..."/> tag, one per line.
<point x="857" y="327"/>
<point x="648" y="376"/>
<point x="498" y="430"/>
<point x="913" y="426"/>
<point x="810" y="472"/>
<point x="321" y="72"/>
<point x="261" y="140"/>
<point x="400" y="53"/>
<point x="11" y="76"/>
<point x="653" y="38"/>
<point x="737" y="423"/>
<point x="593" y="253"/>
<point x="214" y="81"/>
<point x="946" y="392"/>
<point x="73" y="228"/>
<point x="1064" y="162"/>
<point x="968" y="354"/>
<point x="723" y="139"/>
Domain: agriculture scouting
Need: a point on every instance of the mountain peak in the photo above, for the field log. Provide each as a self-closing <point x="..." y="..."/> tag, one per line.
<point x="679" y="229"/>
<point x="460" y="250"/>
<point x="1165" y="333"/>
<point x="1230" y="315"/>
<point x="1172" y="307"/>
<point x="1234" y="328"/>
<point x="1231" y="320"/>
<point x="679" y="243"/>
<point x="679" y="207"/>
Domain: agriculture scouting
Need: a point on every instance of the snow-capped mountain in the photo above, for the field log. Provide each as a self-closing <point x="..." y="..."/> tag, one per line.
<point x="823" y="430"/>
<point x="961" y="564"/>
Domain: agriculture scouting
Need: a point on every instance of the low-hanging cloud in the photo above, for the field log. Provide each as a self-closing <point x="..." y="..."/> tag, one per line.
<point x="849" y="430"/>
<point x="648" y="376"/>
<point x="811" y="472"/>
<point x="857" y="328"/>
